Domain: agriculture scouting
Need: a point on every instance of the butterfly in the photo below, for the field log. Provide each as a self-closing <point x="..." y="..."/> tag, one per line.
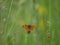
<point x="29" y="28"/>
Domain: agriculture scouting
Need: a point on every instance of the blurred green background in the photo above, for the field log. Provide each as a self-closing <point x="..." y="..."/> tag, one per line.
<point x="45" y="14"/>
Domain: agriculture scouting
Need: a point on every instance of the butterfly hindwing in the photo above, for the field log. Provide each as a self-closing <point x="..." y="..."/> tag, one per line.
<point x="33" y="27"/>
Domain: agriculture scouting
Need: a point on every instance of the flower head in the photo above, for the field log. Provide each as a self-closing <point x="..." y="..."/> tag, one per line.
<point x="42" y="10"/>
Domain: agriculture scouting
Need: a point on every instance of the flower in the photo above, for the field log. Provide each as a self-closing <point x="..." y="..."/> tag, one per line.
<point x="42" y="10"/>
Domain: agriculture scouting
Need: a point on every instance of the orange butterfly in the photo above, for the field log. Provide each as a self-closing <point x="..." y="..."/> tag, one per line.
<point x="29" y="28"/>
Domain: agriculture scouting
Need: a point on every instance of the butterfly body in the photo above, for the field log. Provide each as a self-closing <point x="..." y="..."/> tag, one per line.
<point x="29" y="28"/>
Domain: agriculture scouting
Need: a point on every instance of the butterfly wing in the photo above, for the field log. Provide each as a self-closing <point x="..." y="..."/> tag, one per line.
<point x="25" y="27"/>
<point x="33" y="27"/>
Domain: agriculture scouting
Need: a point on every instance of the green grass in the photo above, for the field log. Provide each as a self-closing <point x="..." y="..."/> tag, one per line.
<point x="15" y="13"/>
